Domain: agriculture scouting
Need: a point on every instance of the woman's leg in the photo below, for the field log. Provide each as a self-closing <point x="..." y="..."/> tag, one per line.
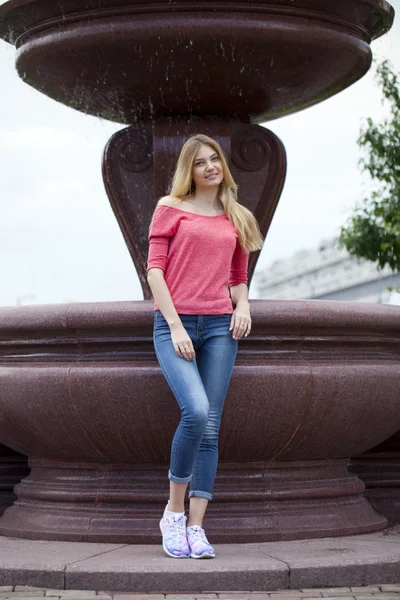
<point x="177" y="491"/>
<point x="197" y="510"/>
<point x="215" y="359"/>
<point x="185" y="382"/>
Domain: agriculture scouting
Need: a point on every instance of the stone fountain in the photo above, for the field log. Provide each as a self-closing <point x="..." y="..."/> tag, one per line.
<point x="81" y="392"/>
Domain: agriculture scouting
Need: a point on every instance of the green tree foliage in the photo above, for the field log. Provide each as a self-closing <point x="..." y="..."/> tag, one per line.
<point x="373" y="231"/>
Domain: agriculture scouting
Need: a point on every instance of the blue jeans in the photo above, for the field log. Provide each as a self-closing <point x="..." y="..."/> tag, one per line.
<point x="200" y="387"/>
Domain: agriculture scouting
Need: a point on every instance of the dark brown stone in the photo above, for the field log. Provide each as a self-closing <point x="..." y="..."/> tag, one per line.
<point x="122" y="503"/>
<point x="380" y="472"/>
<point x="379" y="469"/>
<point x="306" y="391"/>
<point x="13" y="467"/>
<point x="135" y="61"/>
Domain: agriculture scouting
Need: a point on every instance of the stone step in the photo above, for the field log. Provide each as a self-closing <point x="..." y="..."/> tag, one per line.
<point x="349" y="563"/>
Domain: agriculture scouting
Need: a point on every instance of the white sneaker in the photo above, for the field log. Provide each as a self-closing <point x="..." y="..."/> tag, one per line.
<point x="199" y="545"/>
<point x="173" y="530"/>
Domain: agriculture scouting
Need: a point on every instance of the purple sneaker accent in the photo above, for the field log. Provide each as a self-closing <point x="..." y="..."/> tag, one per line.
<point x="173" y="530"/>
<point x="198" y="543"/>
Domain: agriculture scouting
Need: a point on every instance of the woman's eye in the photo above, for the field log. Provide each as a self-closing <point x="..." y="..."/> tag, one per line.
<point x="202" y="162"/>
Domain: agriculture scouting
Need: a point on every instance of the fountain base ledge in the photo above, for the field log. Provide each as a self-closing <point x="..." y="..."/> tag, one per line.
<point x="253" y="502"/>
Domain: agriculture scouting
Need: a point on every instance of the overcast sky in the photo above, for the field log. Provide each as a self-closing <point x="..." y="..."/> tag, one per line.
<point x="59" y="240"/>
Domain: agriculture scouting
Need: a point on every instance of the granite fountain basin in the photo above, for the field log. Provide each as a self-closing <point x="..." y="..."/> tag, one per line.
<point x="83" y="396"/>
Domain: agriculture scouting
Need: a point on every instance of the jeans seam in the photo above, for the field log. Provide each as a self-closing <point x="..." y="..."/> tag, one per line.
<point x="193" y="476"/>
<point x="176" y="444"/>
<point x="178" y="395"/>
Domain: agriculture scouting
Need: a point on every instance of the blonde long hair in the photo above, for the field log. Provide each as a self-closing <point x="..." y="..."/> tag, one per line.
<point x="246" y="225"/>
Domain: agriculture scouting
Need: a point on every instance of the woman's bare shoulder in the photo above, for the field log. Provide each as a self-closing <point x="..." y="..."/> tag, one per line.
<point x="168" y="201"/>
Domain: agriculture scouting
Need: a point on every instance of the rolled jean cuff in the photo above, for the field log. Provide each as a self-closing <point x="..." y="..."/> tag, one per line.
<point x="179" y="479"/>
<point x="199" y="494"/>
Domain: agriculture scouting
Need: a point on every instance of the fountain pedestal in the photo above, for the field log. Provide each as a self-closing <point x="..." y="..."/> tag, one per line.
<point x="142" y="158"/>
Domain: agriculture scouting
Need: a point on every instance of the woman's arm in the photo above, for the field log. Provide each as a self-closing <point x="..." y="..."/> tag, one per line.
<point x="162" y="228"/>
<point x="162" y="296"/>
<point x="180" y="338"/>
<point x="239" y="294"/>
<point x="241" y="320"/>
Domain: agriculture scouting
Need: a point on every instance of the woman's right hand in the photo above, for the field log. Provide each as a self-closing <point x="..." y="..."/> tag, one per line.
<point x="182" y="342"/>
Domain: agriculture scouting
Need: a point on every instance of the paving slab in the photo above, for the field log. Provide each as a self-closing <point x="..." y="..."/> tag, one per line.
<point x="42" y="563"/>
<point x="82" y="597"/>
<point x="336" y="591"/>
<point x="70" y="592"/>
<point x="295" y="593"/>
<point x="235" y="596"/>
<point x="378" y="597"/>
<point x="27" y="588"/>
<point x="25" y="594"/>
<point x="149" y="569"/>
<point x="129" y="596"/>
<point x="204" y="596"/>
<point x="134" y="595"/>
<point x="368" y="589"/>
<point x="17" y="598"/>
<point x="287" y="595"/>
<point x="350" y="561"/>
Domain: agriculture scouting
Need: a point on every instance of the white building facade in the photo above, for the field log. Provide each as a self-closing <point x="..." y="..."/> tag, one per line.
<point x="326" y="273"/>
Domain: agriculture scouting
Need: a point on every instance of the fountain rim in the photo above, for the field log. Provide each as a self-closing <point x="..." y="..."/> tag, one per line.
<point x="12" y="10"/>
<point x="305" y="314"/>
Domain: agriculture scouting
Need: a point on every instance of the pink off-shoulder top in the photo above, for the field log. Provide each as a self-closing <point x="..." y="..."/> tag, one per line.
<point x="201" y="258"/>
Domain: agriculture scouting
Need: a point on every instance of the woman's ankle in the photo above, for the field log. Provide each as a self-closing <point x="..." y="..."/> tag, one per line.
<point x="194" y="523"/>
<point x="175" y="508"/>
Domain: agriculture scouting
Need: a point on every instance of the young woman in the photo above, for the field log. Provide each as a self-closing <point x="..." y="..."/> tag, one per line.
<point x="200" y="238"/>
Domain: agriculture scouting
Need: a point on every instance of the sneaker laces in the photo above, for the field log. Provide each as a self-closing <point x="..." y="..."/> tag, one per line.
<point x="177" y="528"/>
<point x="199" y="534"/>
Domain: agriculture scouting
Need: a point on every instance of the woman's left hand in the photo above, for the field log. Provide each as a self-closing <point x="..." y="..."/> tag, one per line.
<point x="240" y="321"/>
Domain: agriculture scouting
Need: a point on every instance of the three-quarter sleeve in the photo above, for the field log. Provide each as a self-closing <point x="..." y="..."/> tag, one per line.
<point x="239" y="266"/>
<point x="162" y="228"/>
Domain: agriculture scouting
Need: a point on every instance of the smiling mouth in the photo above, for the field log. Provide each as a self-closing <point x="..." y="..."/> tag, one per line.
<point x="213" y="175"/>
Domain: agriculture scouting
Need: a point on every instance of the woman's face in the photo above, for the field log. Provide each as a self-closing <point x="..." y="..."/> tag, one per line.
<point x="207" y="168"/>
